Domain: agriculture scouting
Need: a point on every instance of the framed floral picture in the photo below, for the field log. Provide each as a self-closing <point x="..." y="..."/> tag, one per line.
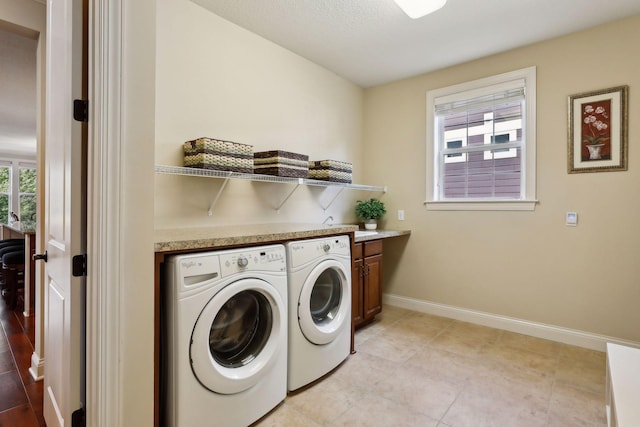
<point x="598" y="130"/>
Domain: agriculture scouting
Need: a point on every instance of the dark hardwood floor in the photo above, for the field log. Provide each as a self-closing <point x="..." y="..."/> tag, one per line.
<point x="20" y="394"/>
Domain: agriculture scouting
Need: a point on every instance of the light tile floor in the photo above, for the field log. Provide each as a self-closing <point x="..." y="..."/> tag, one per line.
<point x="414" y="369"/>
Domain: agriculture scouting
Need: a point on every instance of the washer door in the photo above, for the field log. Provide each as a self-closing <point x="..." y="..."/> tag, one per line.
<point x="238" y="336"/>
<point x="325" y="301"/>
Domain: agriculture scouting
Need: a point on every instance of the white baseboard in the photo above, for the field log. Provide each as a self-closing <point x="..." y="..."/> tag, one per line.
<point x="37" y="367"/>
<point x="540" y="330"/>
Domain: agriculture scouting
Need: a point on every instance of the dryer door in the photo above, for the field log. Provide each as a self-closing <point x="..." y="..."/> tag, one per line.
<point x="237" y="336"/>
<point x="324" y="306"/>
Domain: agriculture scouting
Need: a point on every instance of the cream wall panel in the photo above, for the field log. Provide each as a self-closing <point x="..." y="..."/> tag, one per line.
<point x="135" y="222"/>
<point x="218" y="80"/>
<point x="525" y="265"/>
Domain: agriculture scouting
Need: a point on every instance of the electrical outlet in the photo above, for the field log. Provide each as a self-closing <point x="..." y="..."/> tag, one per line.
<point x="400" y="215"/>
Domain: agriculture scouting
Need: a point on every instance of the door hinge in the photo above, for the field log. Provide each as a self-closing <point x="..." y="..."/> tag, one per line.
<point x="81" y="110"/>
<point x="79" y="265"/>
<point x="77" y="418"/>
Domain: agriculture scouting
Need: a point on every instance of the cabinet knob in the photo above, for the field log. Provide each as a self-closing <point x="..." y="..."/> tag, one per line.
<point x="364" y="271"/>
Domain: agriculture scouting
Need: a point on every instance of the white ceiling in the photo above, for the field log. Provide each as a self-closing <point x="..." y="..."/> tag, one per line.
<point x="371" y="42"/>
<point x="17" y="95"/>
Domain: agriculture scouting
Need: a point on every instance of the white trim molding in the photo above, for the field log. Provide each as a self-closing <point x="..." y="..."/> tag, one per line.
<point x="37" y="367"/>
<point x="525" y="327"/>
<point x="482" y="205"/>
<point x="103" y="341"/>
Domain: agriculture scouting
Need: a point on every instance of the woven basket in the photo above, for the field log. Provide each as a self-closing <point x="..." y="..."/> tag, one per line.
<point x="331" y="170"/>
<point x="281" y="163"/>
<point x="208" y="153"/>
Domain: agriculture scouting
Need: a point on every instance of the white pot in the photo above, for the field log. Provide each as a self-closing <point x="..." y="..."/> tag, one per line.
<point x="594" y="151"/>
<point x="370" y="224"/>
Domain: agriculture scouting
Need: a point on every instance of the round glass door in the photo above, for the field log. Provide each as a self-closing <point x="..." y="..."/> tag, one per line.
<point x="325" y="297"/>
<point x="237" y="335"/>
<point x="241" y="329"/>
<point x="325" y="302"/>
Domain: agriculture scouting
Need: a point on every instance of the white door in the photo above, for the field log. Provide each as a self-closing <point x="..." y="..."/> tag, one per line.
<point x="63" y="214"/>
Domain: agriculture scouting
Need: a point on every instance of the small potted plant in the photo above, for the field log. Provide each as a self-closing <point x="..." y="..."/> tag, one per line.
<point x="370" y="211"/>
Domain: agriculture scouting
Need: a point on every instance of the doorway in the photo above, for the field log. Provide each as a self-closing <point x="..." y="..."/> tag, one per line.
<point x="22" y="45"/>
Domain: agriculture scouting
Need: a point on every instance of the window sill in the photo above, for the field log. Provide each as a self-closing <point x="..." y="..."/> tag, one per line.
<point x="481" y="205"/>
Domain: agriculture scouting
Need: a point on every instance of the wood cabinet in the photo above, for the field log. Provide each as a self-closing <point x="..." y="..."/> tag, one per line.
<point x="366" y="281"/>
<point x="9" y="232"/>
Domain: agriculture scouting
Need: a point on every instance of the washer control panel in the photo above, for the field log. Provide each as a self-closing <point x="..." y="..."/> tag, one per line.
<point x="271" y="258"/>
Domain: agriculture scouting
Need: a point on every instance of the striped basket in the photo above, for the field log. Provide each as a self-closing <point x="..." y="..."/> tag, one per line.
<point x="331" y="170"/>
<point x="209" y="153"/>
<point x="281" y="163"/>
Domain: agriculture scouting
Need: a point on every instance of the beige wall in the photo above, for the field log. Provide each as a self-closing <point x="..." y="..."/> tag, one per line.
<point x="215" y="79"/>
<point x="526" y="265"/>
<point x="26" y="17"/>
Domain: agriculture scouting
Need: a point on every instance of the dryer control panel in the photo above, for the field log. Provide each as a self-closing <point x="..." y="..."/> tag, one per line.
<point x="304" y="251"/>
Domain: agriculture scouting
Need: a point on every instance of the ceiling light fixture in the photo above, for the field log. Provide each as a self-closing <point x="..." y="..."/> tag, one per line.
<point x="419" y="8"/>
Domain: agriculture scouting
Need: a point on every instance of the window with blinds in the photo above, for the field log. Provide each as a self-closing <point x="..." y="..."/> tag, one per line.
<point x="480" y="141"/>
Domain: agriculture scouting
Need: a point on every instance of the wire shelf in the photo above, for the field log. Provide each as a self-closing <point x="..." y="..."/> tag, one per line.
<point x="210" y="173"/>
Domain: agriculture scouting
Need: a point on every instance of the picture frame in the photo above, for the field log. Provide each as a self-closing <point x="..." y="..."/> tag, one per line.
<point x="598" y="130"/>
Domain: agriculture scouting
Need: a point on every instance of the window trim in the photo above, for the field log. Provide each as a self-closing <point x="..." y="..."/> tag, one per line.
<point x="528" y="202"/>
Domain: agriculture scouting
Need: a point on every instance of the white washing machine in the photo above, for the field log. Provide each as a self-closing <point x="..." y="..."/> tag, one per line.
<point x="319" y="307"/>
<point x="225" y="325"/>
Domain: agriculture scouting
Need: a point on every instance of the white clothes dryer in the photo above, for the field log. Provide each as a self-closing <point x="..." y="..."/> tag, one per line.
<point x="225" y="329"/>
<point x="319" y="307"/>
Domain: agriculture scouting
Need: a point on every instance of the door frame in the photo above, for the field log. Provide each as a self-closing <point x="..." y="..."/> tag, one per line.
<point x="113" y="24"/>
<point x="120" y="256"/>
<point x="103" y="206"/>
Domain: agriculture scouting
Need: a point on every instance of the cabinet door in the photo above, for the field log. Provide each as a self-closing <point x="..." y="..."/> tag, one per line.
<point x="373" y="286"/>
<point x="357" y="284"/>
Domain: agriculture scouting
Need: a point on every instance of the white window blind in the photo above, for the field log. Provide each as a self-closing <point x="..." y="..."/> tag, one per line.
<point x="480" y="139"/>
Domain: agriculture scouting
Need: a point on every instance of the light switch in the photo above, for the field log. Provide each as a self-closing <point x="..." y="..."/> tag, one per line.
<point x="572" y="219"/>
<point x="400" y="215"/>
